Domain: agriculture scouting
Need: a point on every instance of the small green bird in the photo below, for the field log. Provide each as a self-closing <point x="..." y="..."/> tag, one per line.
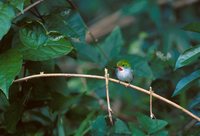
<point x="124" y="71"/>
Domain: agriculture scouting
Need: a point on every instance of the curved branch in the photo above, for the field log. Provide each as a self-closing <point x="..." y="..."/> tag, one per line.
<point x="29" y="7"/>
<point x="112" y="80"/>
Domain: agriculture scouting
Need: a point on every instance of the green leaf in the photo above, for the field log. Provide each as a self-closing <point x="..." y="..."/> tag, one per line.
<point x="60" y="103"/>
<point x="188" y="57"/>
<point x="84" y="124"/>
<point x="113" y="44"/>
<point x="67" y="23"/>
<point x="12" y="116"/>
<point x="161" y="133"/>
<point x="151" y="125"/>
<point x="99" y="127"/>
<point x="19" y="4"/>
<point x="37" y="46"/>
<point x="154" y="13"/>
<point x="194" y="27"/>
<point x="120" y="128"/>
<point x="11" y="62"/>
<point x="111" y="47"/>
<point x="186" y="82"/>
<point x="6" y="15"/>
<point x="83" y="48"/>
<point x="135" y="7"/>
<point x="3" y="101"/>
<point x="33" y="35"/>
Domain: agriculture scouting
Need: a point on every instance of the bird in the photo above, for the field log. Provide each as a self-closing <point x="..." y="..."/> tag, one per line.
<point x="124" y="71"/>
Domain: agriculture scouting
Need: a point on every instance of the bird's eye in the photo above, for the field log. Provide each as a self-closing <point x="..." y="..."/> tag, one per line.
<point x="123" y="65"/>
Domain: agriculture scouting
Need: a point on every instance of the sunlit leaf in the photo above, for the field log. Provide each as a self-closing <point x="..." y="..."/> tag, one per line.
<point x="10" y="65"/>
<point x="188" y="57"/>
<point x="186" y="82"/>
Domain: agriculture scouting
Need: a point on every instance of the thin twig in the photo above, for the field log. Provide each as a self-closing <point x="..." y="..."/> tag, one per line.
<point x="151" y="111"/>
<point x="29" y="7"/>
<point x="107" y="96"/>
<point x="112" y="80"/>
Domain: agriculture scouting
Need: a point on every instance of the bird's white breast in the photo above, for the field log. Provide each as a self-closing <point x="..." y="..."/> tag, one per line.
<point x="125" y="75"/>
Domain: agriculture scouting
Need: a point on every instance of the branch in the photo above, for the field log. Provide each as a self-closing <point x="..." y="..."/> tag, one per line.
<point x="107" y="96"/>
<point x="30" y="6"/>
<point x="112" y="80"/>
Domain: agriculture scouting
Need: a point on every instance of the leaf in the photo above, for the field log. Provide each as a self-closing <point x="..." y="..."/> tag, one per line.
<point x="194" y="27"/>
<point x="111" y="47"/>
<point x="140" y="66"/>
<point x="19" y="4"/>
<point x="86" y="52"/>
<point x="135" y="7"/>
<point x="186" y="82"/>
<point x="151" y="125"/>
<point x="37" y="44"/>
<point x="6" y="15"/>
<point x="113" y="44"/>
<point x="188" y="57"/>
<point x="84" y="124"/>
<point x="3" y="101"/>
<point x="154" y="13"/>
<point x="161" y="133"/>
<point x="120" y="128"/>
<point x="99" y="127"/>
<point x="67" y="23"/>
<point x="61" y="103"/>
<point x="12" y="116"/>
<point x="33" y="35"/>
<point x="10" y="66"/>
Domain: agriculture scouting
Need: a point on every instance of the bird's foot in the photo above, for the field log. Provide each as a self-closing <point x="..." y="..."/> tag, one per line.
<point x="127" y="85"/>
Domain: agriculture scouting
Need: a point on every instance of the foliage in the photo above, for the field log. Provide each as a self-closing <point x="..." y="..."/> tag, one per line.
<point x="162" y="45"/>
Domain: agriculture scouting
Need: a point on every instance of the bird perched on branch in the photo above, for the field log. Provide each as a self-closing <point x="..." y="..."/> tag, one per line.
<point x="124" y="71"/>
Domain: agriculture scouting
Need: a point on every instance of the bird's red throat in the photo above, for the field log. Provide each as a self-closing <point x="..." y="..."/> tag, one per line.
<point x="120" y="68"/>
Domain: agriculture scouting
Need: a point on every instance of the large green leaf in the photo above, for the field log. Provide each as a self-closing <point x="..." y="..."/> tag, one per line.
<point x="113" y="44"/>
<point x="186" y="82"/>
<point x="6" y="15"/>
<point x="188" y="57"/>
<point x="111" y="47"/>
<point x="68" y="23"/>
<point x="10" y="65"/>
<point x="194" y="27"/>
<point x="33" y="35"/>
<point x="38" y="45"/>
<point x="19" y="4"/>
<point x="151" y="125"/>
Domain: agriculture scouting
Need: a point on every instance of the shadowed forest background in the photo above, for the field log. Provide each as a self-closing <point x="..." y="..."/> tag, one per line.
<point x="160" y="39"/>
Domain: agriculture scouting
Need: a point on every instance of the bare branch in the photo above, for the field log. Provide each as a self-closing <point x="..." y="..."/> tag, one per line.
<point x="112" y="80"/>
<point x="29" y="7"/>
<point x="107" y="96"/>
